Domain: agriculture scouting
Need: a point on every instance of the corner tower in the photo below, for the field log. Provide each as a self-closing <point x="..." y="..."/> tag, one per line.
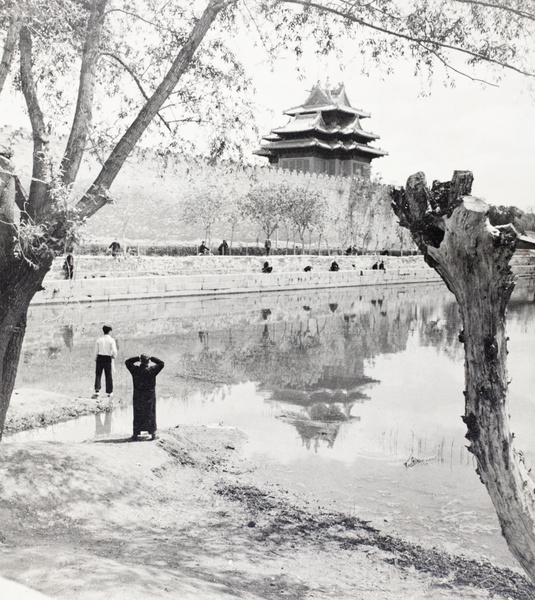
<point x="324" y="135"/>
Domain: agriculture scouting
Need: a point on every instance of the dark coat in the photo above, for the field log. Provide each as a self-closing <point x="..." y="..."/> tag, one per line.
<point x="144" y="398"/>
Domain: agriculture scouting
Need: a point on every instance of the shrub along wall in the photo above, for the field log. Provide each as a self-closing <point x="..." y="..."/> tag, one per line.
<point x="101" y="249"/>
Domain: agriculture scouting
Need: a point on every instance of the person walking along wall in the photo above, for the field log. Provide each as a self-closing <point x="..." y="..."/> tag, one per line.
<point x="144" y="396"/>
<point x="106" y="353"/>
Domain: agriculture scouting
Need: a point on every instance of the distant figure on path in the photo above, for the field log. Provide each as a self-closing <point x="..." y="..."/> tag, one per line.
<point x="106" y="353"/>
<point x="375" y="267"/>
<point x="382" y="266"/>
<point x="266" y="268"/>
<point x="68" y="266"/>
<point x="223" y="248"/>
<point x="307" y="269"/>
<point x="144" y="397"/>
<point x="334" y="266"/>
<point x="204" y="249"/>
<point x="267" y="246"/>
<point x="115" y="248"/>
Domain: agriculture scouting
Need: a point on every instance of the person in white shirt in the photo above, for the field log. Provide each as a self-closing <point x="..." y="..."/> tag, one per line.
<point x="106" y="353"/>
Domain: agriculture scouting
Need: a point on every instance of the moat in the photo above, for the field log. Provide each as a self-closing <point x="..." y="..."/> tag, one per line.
<point x="351" y="395"/>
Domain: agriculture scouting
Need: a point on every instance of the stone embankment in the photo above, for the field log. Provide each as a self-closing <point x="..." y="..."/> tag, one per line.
<point x="103" y="279"/>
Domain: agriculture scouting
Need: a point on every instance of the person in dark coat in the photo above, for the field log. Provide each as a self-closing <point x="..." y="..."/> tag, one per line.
<point x="115" y="248"/>
<point x="334" y="266"/>
<point x="144" y="398"/>
<point x="223" y="248"/>
<point x="266" y="268"/>
<point x="68" y="266"/>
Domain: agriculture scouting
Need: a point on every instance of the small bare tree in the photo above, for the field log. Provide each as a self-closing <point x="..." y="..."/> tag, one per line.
<point x="266" y="205"/>
<point x="203" y="206"/>
<point x="307" y="210"/>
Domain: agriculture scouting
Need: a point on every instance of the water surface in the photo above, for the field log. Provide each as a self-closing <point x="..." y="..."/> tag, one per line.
<point x="339" y="391"/>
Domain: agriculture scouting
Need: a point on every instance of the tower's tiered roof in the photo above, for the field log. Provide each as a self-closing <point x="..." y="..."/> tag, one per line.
<point x="326" y="121"/>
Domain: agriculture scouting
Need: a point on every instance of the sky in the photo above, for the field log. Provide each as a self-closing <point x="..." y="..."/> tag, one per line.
<point x="487" y="130"/>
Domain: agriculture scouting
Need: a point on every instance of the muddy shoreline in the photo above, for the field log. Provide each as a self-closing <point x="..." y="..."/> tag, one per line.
<point x="33" y="408"/>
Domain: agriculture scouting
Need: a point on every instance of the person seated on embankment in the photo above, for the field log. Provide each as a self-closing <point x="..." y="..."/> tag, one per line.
<point x="334" y="266"/>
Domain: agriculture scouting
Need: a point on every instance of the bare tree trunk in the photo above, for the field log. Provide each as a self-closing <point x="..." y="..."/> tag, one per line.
<point x="38" y="186"/>
<point x="20" y="279"/>
<point x="231" y="238"/>
<point x="20" y="282"/>
<point x="83" y="116"/>
<point x="452" y="230"/>
<point x="9" y="48"/>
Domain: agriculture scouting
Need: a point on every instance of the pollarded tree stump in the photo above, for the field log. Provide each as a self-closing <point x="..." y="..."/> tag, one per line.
<point x="452" y="230"/>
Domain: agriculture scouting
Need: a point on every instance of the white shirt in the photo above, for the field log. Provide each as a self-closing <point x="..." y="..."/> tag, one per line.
<point x="106" y="346"/>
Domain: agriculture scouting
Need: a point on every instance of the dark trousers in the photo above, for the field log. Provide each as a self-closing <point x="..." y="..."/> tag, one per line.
<point x="104" y="364"/>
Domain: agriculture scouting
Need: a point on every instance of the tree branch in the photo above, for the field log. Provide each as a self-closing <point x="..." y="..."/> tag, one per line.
<point x="510" y="9"/>
<point x="136" y="16"/>
<point x="136" y="80"/>
<point x="9" y="48"/>
<point x="405" y="36"/>
<point x="461" y="73"/>
<point x="96" y="197"/>
<point x="83" y="115"/>
<point x="37" y="198"/>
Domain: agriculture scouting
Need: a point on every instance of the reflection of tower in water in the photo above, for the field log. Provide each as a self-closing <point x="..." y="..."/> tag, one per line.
<point x="322" y="425"/>
<point x="318" y="413"/>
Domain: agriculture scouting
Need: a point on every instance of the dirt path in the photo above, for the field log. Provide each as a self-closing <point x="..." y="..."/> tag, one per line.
<point x="187" y="517"/>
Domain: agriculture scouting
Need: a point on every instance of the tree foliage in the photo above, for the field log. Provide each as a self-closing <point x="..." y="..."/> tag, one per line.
<point x="307" y="211"/>
<point x="468" y="37"/>
<point x="300" y="208"/>
<point x="267" y="205"/>
<point x="204" y="206"/>
<point x="523" y="221"/>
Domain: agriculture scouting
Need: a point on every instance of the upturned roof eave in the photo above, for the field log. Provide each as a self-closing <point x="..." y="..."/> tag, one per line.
<point x="331" y="131"/>
<point x="263" y="152"/>
<point x="297" y="110"/>
<point x="315" y="143"/>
